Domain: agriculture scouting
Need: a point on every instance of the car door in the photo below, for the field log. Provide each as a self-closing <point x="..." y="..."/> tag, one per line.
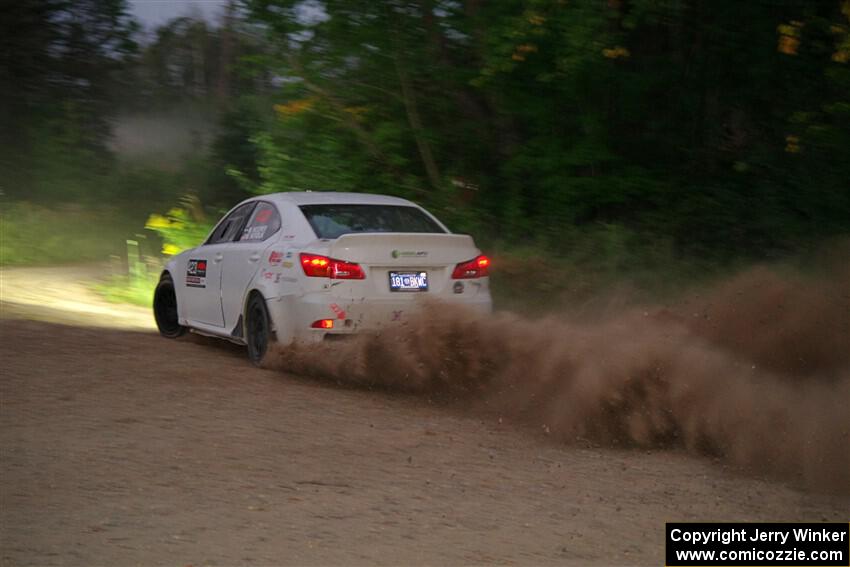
<point x="204" y="269"/>
<point x="243" y="257"/>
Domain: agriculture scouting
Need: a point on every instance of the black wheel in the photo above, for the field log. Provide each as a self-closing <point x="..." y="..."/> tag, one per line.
<point x="165" y="309"/>
<point x="258" y="329"/>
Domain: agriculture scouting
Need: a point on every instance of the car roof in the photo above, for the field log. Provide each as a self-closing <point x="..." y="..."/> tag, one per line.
<point x="334" y="198"/>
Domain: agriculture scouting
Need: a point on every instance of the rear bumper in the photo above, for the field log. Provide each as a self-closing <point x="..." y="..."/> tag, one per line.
<point x="353" y="316"/>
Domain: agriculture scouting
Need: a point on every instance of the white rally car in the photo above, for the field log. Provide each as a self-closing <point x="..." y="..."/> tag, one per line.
<point x="306" y="266"/>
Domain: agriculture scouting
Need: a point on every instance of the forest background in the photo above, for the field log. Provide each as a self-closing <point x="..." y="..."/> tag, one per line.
<point x="584" y="143"/>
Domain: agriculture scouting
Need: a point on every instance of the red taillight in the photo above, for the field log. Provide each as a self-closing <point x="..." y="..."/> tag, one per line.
<point x="346" y="270"/>
<point x="323" y="324"/>
<point x="316" y="266"/>
<point x="476" y="268"/>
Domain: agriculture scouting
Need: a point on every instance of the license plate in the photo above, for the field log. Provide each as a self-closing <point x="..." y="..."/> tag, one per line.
<point x="408" y="281"/>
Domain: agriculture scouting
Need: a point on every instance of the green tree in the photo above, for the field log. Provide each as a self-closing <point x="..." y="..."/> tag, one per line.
<point x="59" y="62"/>
<point x="720" y="127"/>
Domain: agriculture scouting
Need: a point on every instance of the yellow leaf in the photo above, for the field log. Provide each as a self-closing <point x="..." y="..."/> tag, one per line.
<point x="356" y="110"/>
<point x="295" y="107"/>
<point x="616" y="52"/>
<point x="789" y="37"/>
<point x="792" y="144"/>
<point x="157" y="221"/>
<point x="788" y="45"/>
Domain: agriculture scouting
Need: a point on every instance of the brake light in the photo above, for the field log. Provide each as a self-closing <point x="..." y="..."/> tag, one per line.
<point x="476" y="268"/>
<point x="316" y="266"/>
<point x="323" y="324"/>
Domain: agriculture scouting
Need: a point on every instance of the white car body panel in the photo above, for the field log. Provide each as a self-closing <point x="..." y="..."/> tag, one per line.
<point x="272" y="268"/>
<point x="241" y="264"/>
<point x="202" y="304"/>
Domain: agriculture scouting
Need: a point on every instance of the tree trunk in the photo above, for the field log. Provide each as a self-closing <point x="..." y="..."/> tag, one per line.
<point x="415" y="120"/>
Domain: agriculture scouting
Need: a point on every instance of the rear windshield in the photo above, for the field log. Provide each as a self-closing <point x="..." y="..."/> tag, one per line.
<point x="332" y="221"/>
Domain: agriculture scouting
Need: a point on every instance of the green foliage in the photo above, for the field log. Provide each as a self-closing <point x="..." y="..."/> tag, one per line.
<point x="32" y="234"/>
<point x="648" y="138"/>
<point x="596" y="264"/>
<point x="134" y="284"/>
<point x="182" y="227"/>
<point x="135" y="289"/>
<point x="720" y="131"/>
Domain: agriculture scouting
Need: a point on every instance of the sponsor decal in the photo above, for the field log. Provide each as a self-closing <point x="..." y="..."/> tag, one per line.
<point x="275" y="257"/>
<point x="458" y="287"/>
<point x="196" y="273"/>
<point x="264" y="215"/>
<point x="254" y="232"/>
<point x="287" y="264"/>
<point x="338" y="311"/>
<point x="409" y="253"/>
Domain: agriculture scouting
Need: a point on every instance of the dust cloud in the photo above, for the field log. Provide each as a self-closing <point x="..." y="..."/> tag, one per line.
<point x="755" y="371"/>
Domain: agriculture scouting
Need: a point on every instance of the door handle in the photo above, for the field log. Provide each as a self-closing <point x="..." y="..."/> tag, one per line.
<point x="254" y="257"/>
<point x="218" y="258"/>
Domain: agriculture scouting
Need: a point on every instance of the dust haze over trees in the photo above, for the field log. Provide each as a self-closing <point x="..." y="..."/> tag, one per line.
<point x="686" y="128"/>
<point x="58" y="61"/>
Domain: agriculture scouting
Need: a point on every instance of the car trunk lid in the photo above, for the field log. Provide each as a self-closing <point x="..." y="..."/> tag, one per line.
<point x="404" y="249"/>
<point x="387" y="256"/>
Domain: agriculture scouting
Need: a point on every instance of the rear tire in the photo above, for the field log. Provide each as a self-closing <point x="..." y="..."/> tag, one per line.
<point x="258" y="332"/>
<point x="165" y="309"/>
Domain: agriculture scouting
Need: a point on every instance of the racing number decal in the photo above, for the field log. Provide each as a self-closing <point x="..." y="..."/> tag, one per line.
<point x="196" y="273"/>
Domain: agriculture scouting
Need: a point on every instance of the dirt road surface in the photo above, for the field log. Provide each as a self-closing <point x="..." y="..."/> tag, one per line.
<point x="122" y="448"/>
<point x="64" y="294"/>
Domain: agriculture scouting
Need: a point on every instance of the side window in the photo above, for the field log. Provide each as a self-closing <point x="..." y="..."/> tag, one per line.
<point x="229" y="228"/>
<point x="264" y="222"/>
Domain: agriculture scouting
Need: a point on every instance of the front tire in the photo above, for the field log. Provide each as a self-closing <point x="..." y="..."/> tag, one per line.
<point x="257" y="328"/>
<point x="165" y="309"/>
